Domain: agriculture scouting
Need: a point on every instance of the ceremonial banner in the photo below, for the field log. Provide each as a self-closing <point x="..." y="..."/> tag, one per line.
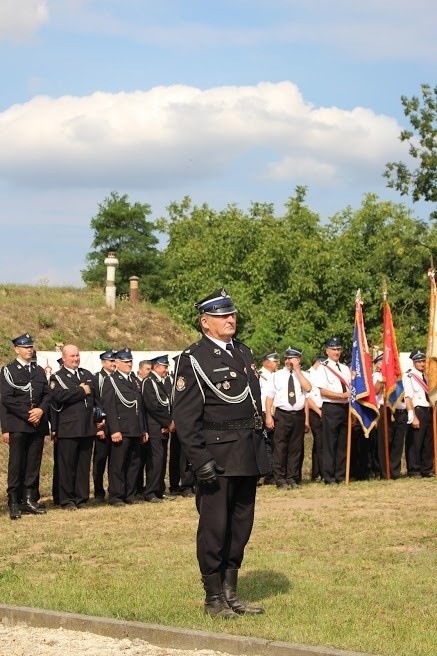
<point x="431" y="349"/>
<point x="391" y="368"/>
<point x="363" y="399"/>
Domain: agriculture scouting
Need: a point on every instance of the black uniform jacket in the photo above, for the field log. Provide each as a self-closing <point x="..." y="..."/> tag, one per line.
<point x="157" y="401"/>
<point x="99" y="379"/>
<point x="129" y="421"/>
<point x="17" y="403"/>
<point x="75" y="417"/>
<point x="242" y="452"/>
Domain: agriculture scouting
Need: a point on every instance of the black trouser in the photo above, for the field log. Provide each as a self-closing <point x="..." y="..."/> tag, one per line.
<point x="74" y="462"/>
<point x="101" y="453"/>
<point x="334" y="422"/>
<point x="157" y="449"/>
<point x="397" y="429"/>
<point x="288" y="446"/>
<point x="25" y="455"/>
<point x="174" y="463"/>
<point x="420" y="444"/>
<point x="225" y="522"/>
<point x="359" y="458"/>
<point x="123" y="468"/>
<point x="317" y="450"/>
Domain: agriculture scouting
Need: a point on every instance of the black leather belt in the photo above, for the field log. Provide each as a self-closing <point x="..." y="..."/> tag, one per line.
<point x="423" y="407"/>
<point x="290" y="412"/>
<point x="237" y="424"/>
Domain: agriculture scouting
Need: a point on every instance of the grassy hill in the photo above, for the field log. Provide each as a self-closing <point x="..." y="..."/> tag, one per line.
<point x="80" y="316"/>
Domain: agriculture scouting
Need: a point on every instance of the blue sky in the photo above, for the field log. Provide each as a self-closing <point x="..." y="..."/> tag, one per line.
<point x="234" y="101"/>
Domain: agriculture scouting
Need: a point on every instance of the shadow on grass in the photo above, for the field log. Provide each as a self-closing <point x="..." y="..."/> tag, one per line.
<point x="261" y="584"/>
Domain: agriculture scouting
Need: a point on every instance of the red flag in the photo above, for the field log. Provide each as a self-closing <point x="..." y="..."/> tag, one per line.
<point x="431" y="351"/>
<point x="391" y="368"/>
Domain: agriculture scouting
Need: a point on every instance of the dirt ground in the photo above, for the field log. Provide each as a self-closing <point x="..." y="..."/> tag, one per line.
<point x="21" y="640"/>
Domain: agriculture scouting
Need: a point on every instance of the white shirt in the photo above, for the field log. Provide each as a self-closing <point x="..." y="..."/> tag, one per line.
<point x="277" y="390"/>
<point x="413" y="389"/>
<point x="326" y="379"/>
<point x="377" y="378"/>
<point x="315" y="391"/>
<point x="264" y="380"/>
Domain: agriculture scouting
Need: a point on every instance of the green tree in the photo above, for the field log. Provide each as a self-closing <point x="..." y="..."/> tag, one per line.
<point x="379" y="241"/>
<point x="420" y="182"/>
<point x="123" y="228"/>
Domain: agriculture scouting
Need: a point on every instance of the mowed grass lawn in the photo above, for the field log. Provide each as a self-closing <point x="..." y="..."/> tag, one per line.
<point x="349" y="567"/>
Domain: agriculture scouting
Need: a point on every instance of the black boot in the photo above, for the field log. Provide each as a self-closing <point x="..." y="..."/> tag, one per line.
<point x="230" y="593"/>
<point x="30" y="506"/>
<point x="14" y="507"/>
<point x="215" y="603"/>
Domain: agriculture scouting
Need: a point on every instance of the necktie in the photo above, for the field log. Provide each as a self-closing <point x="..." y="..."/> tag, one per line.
<point x="343" y="386"/>
<point x="236" y="354"/>
<point x="426" y="383"/>
<point x="78" y="374"/>
<point x="291" y="390"/>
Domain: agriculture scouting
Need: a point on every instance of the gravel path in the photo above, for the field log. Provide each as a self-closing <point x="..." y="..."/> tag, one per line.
<point x="21" y="640"/>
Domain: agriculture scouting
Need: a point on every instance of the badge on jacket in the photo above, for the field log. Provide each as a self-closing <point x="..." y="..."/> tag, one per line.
<point x="181" y="384"/>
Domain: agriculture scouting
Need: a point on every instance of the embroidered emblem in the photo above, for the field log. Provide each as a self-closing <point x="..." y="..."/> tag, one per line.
<point x="218" y="385"/>
<point x="232" y="374"/>
<point x="181" y="384"/>
<point x="227" y="384"/>
<point x="68" y="375"/>
<point x="52" y="385"/>
<point x="217" y="352"/>
<point x="291" y="394"/>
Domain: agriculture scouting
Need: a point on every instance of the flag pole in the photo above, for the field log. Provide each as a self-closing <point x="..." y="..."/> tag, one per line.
<point x="430" y="359"/>
<point x="348" y="445"/>
<point x="384" y="407"/>
<point x="349" y="415"/>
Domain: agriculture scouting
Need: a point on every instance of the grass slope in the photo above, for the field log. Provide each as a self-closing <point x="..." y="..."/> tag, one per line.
<point x="79" y="316"/>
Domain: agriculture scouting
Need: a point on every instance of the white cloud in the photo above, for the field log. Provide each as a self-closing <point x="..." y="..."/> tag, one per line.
<point x="19" y="19"/>
<point x="168" y="135"/>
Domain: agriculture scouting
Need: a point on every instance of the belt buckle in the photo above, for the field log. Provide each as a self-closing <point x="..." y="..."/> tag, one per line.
<point x="258" y="422"/>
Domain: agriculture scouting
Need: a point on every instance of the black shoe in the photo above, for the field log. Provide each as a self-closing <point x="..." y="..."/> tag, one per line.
<point x="29" y="507"/>
<point x="133" y="500"/>
<point x="117" y="504"/>
<point x="81" y="506"/>
<point x="99" y="498"/>
<point x="293" y="485"/>
<point x="153" y="499"/>
<point x="14" y="510"/>
<point x="69" y="507"/>
<point x="187" y="492"/>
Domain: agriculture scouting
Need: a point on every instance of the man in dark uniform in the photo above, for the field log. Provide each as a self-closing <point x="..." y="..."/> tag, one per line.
<point x="25" y="398"/>
<point x="160" y="425"/>
<point x="126" y="419"/>
<point x="180" y="474"/>
<point x="217" y="412"/>
<point x="102" y="442"/>
<point x="75" y="397"/>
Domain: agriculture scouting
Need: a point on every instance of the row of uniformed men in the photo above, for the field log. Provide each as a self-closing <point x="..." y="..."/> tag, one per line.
<point x="126" y="420"/>
<point x="295" y="401"/>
